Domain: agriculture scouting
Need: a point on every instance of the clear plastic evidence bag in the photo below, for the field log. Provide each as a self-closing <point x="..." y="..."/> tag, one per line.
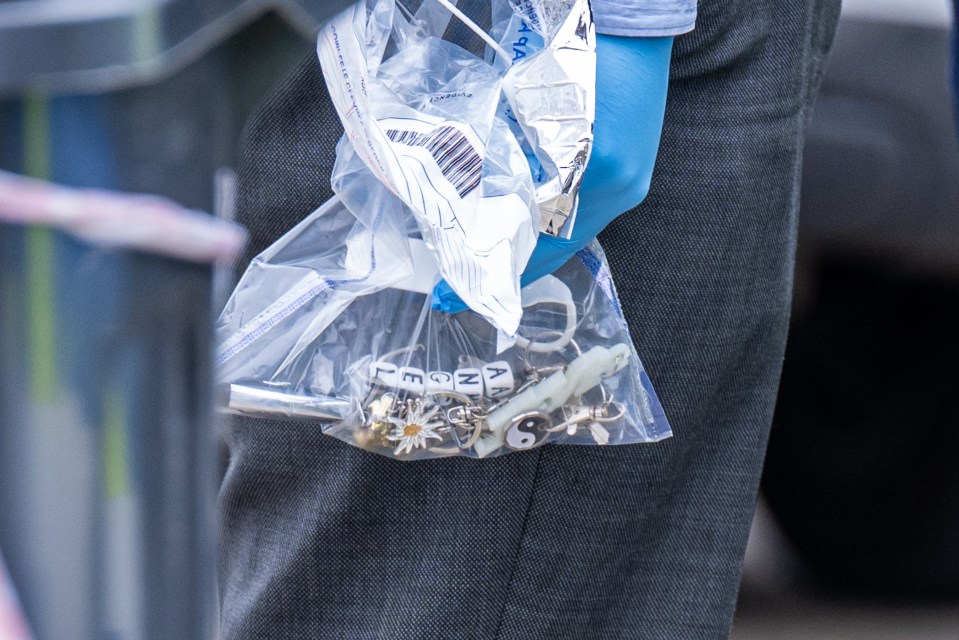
<point x="452" y="163"/>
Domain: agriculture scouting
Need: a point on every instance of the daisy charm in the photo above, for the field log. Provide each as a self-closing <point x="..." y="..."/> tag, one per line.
<point x="416" y="427"/>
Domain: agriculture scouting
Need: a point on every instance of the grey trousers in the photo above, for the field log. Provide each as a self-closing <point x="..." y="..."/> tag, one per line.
<point x="321" y="540"/>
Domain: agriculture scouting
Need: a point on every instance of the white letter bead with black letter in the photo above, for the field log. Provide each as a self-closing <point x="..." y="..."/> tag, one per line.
<point x="439" y="381"/>
<point x="469" y="382"/>
<point x="384" y="373"/>
<point x="412" y="379"/>
<point x="498" y="379"/>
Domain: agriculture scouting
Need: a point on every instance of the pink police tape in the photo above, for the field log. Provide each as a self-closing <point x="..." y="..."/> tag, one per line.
<point x="106" y="218"/>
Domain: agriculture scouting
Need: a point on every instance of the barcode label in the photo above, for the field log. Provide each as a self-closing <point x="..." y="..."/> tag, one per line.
<point x="457" y="159"/>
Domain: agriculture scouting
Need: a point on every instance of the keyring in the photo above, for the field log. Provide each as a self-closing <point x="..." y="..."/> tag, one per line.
<point x="550" y="290"/>
<point x="529" y="349"/>
<point x="473" y="411"/>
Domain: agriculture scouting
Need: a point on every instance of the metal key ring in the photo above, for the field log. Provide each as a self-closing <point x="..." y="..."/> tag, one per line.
<point x="528" y="350"/>
<point x="475" y="430"/>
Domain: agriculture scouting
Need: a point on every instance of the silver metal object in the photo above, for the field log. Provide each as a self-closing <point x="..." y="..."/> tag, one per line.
<point x="528" y="430"/>
<point x="575" y="416"/>
<point x="552" y="96"/>
<point x="269" y="402"/>
<point x="466" y="417"/>
<point x="591" y="417"/>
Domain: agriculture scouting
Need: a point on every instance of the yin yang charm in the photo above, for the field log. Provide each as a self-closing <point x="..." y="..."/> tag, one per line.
<point x="528" y="430"/>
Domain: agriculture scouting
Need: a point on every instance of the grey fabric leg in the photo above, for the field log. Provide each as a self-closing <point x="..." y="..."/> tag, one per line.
<point x="320" y="540"/>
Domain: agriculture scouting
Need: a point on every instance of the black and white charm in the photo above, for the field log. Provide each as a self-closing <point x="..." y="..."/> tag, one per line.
<point x="528" y="430"/>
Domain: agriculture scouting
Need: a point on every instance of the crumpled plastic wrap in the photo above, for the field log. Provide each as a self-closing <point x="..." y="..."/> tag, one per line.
<point x="428" y="121"/>
<point x="551" y="93"/>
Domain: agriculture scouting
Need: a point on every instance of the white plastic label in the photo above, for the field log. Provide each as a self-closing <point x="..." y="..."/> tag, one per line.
<point x="480" y="233"/>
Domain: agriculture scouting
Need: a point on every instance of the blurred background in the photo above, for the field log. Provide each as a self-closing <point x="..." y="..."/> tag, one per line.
<point x="104" y="354"/>
<point x="857" y="532"/>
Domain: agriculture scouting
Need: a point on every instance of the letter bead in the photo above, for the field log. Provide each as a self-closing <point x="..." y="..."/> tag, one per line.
<point x="412" y="379"/>
<point x="498" y="379"/>
<point x="384" y="373"/>
<point x="469" y="382"/>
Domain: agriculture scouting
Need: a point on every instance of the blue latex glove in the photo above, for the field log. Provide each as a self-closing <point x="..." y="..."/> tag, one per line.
<point x="631" y="79"/>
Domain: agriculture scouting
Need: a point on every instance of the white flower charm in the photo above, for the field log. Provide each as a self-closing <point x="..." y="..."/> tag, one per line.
<point x="413" y="430"/>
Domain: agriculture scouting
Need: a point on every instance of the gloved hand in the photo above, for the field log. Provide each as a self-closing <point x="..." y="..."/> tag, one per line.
<point x="631" y="79"/>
